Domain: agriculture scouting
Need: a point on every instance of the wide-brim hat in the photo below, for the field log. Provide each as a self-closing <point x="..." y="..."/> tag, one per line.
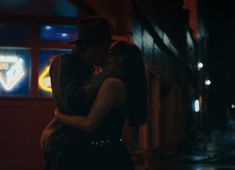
<point x="93" y="29"/>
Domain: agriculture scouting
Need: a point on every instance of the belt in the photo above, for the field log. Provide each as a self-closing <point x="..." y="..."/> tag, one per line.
<point x="100" y="142"/>
<point x="105" y="142"/>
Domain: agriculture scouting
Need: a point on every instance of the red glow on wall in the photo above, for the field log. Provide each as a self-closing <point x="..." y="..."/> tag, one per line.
<point x="191" y="5"/>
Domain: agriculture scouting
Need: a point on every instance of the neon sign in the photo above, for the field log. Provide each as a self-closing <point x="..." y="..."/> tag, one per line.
<point x="47" y="56"/>
<point x="11" y="71"/>
<point x="44" y="81"/>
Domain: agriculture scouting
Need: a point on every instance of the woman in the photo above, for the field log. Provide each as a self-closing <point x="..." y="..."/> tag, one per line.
<point x="118" y="98"/>
<point x="73" y="94"/>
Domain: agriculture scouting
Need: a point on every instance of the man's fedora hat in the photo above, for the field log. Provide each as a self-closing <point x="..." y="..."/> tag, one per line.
<point x="93" y="29"/>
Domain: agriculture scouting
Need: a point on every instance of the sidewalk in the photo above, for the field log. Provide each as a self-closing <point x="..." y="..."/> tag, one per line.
<point x="217" y="154"/>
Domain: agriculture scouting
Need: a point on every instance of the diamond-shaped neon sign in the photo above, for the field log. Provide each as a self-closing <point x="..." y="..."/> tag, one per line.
<point x="11" y="71"/>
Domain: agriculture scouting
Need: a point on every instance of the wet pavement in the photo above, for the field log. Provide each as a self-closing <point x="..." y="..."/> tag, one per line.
<point x="216" y="153"/>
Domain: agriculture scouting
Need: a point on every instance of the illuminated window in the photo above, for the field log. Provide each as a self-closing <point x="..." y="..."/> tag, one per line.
<point x="137" y="33"/>
<point x="148" y="45"/>
<point x="15" y="71"/>
<point x="46" y="58"/>
<point x="58" y="32"/>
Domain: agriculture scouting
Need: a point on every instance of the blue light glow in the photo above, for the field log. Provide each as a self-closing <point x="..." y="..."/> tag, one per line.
<point x="64" y="34"/>
<point x="48" y="27"/>
<point x="58" y="32"/>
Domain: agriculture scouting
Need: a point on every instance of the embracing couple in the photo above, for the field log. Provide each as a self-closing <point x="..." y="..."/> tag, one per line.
<point x="95" y="88"/>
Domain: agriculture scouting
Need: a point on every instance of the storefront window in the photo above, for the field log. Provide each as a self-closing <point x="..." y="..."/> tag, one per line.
<point x="46" y="58"/>
<point x="15" y="71"/>
<point x="58" y="32"/>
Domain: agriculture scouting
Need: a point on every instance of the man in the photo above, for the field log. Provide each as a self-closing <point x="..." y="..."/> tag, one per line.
<point x="87" y="58"/>
<point x="69" y="76"/>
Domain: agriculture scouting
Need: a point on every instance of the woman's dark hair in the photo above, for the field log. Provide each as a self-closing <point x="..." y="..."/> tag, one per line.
<point x="133" y="65"/>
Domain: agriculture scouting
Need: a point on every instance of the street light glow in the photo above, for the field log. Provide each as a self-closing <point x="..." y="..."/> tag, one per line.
<point x="207" y="82"/>
<point x="199" y="65"/>
<point x="196" y="105"/>
<point x="233" y="106"/>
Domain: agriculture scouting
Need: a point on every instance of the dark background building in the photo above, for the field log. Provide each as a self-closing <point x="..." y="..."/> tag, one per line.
<point x="218" y="19"/>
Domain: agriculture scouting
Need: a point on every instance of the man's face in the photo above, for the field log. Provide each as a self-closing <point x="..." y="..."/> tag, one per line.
<point x="95" y="52"/>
